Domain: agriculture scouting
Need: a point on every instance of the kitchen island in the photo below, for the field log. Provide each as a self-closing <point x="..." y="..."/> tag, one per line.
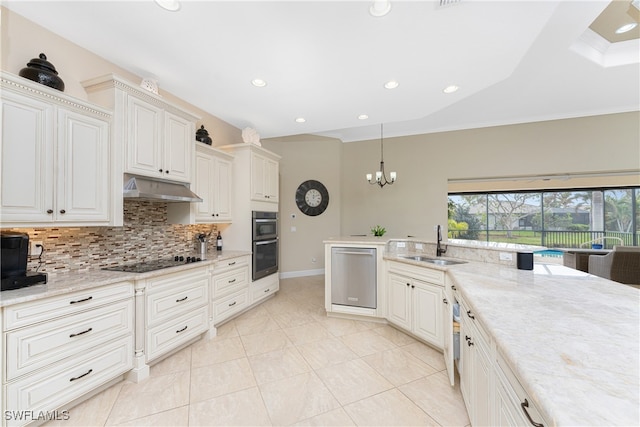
<point x="571" y="339"/>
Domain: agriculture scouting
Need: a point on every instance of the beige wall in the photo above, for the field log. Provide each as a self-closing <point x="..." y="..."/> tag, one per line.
<point x="23" y="40"/>
<point x="303" y="158"/>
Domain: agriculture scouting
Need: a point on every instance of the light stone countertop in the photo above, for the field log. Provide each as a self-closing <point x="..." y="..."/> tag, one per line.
<point x="357" y="240"/>
<point x="64" y="283"/>
<point x="572" y="339"/>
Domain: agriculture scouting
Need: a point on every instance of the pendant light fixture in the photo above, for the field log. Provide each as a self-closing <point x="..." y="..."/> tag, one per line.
<point x="381" y="177"/>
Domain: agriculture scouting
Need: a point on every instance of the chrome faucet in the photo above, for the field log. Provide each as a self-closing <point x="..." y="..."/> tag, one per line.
<point x="439" y="249"/>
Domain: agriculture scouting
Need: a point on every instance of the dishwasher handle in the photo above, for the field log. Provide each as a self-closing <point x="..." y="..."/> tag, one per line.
<point x="353" y="253"/>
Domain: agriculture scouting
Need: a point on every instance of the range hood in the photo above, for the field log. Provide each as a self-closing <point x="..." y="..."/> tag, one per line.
<point x="143" y="188"/>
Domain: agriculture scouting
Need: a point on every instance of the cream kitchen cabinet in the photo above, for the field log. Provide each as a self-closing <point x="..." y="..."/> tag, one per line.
<point x="159" y="137"/>
<point x="213" y="182"/>
<point x="230" y="288"/>
<point x="264" y="178"/>
<point x="60" y="348"/>
<point x="415" y="301"/>
<point x="476" y="368"/>
<point x="56" y="158"/>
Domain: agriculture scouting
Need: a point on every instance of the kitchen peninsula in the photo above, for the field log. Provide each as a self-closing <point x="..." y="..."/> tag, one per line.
<point x="565" y="342"/>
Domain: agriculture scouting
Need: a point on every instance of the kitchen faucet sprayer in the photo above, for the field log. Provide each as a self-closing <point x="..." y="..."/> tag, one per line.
<point x="439" y="249"/>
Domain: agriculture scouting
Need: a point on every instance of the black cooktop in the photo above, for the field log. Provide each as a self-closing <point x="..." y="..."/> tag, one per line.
<point x="145" y="266"/>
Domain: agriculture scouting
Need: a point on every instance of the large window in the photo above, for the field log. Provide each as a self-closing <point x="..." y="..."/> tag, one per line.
<point x="567" y="219"/>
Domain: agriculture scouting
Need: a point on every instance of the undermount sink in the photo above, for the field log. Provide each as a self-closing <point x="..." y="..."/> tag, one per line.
<point x="437" y="261"/>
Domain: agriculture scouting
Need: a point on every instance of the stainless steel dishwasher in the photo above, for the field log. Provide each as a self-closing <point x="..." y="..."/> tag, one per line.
<point x="353" y="277"/>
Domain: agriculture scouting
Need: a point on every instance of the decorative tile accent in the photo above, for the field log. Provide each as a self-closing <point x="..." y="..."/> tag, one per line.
<point x="144" y="236"/>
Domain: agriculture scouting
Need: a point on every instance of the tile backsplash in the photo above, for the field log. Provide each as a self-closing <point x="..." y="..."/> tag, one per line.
<point x="145" y="235"/>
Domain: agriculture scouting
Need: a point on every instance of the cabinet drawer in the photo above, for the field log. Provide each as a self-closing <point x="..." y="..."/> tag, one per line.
<point x="63" y="305"/>
<point x="171" y="334"/>
<point x="516" y="392"/>
<point x="232" y="263"/>
<point x="174" y="280"/>
<point x="425" y="274"/>
<point x="167" y="303"/>
<point x="230" y="305"/>
<point x="61" y="383"/>
<point x="265" y="289"/>
<point x="33" y="347"/>
<point x="230" y="281"/>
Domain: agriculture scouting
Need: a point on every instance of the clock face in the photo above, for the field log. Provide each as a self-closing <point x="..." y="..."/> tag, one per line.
<point x="312" y="198"/>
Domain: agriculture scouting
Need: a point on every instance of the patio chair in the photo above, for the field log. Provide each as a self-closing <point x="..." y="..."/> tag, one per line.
<point x="622" y="265"/>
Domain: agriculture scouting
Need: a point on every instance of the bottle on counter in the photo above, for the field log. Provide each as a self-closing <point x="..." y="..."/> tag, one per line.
<point x="219" y="242"/>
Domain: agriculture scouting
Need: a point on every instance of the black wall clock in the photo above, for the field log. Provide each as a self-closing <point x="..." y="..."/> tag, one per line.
<point x="312" y="198"/>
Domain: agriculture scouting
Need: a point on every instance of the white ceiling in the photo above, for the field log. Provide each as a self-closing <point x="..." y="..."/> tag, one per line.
<point x="327" y="61"/>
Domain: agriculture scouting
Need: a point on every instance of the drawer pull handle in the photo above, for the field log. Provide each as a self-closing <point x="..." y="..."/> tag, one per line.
<point x="470" y="315"/>
<point x="232" y="263"/>
<point x="454" y="288"/>
<point x="81" y="333"/>
<point x="267" y="290"/>
<point x="469" y="343"/>
<point x="182" y="330"/>
<point x="83" y="375"/>
<point x="233" y="303"/>
<point x="444" y="300"/>
<point x="80" y="300"/>
<point x="467" y="337"/>
<point x="182" y="299"/>
<point x="525" y="405"/>
<point x="232" y="280"/>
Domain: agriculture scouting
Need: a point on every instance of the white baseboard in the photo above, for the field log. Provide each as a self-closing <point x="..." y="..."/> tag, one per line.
<point x="301" y="273"/>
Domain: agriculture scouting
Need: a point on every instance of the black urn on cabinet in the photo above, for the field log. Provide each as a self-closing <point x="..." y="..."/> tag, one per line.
<point x="42" y="71"/>
<point x="203" y="136"/>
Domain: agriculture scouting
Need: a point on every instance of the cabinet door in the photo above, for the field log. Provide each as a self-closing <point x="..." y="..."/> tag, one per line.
<point x="27" y="160"/>
<point x="481" y="386"/>
<point x="447" y="328"/>
<point x="83" y="172"/>
<point x="204" y="186"/>
<point x="427" y="312"/>
<point x="178" y="148"/>
<point x="271" y="180"/>
<point x="258" y="187"/>
<point x="465" y="364"/>
<point x="222" y="190"/>
<point x="399" y="300"/>
<point x="144" y="145"/>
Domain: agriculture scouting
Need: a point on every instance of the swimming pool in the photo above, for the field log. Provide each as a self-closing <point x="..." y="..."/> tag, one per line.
<point x="555" y="253"/>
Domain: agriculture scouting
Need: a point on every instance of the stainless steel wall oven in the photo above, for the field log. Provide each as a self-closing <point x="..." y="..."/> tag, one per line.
<point x="265" y="244"/>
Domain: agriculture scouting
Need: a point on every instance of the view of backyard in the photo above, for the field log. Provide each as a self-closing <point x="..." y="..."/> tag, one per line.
<point x="555" y="219"/>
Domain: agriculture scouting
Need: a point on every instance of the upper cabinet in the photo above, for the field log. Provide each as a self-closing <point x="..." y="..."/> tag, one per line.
<point x="213" y="182"/>
<point x="57" y="160"/>
<point x="264" y="178"/>
<point x="159" y="137"/>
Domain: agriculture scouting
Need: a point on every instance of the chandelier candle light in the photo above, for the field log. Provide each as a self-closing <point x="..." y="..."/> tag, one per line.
<point x="381" y="177"/>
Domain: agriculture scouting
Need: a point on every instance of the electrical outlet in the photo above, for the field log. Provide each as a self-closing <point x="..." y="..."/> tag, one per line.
<point x="294" y="229"/>
<point x="35" y="247"/>
<point x="401" y="244"/>
<point x="506" y="256"/>
<point x="418" y="246"/>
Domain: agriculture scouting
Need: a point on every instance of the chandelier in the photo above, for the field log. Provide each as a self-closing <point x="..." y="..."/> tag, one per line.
<point x="381" y="177"/>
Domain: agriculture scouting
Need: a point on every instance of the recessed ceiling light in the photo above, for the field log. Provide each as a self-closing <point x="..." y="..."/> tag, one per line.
<point x="170" y="5"/>
<point x="391" y="84"/>
<point x="301" y="120"/>
<point x="380" y="8"/>
<point x="626" y="28"/>
<point x="363" y="117"/>
<point x="258" y="82"/>
<point x="450" y="89"/>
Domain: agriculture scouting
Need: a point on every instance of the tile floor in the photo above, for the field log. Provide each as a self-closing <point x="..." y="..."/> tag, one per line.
<point x="286" y="363"/>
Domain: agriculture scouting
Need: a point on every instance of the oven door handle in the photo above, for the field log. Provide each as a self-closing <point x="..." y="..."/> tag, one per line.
<point x="265" y="242"/>
<point x="265" y="220"/>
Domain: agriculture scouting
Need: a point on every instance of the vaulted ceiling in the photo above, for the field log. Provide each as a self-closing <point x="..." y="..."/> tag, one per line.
<point x="328" y="61"/>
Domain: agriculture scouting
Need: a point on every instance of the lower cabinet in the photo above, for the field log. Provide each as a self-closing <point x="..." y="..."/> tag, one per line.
<point x="61" y="348"/>
<point x="177" y="310"/>
<point x="230" y="288"/>
<point x="415" y="301"/>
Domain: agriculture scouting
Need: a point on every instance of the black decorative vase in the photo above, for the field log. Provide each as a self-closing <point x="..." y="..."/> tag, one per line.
<point x="42" y="71"/>
<point x="203" y="136"/>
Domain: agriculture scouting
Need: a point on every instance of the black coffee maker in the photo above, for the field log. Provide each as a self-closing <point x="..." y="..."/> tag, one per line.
<point x="14" y="251"/>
